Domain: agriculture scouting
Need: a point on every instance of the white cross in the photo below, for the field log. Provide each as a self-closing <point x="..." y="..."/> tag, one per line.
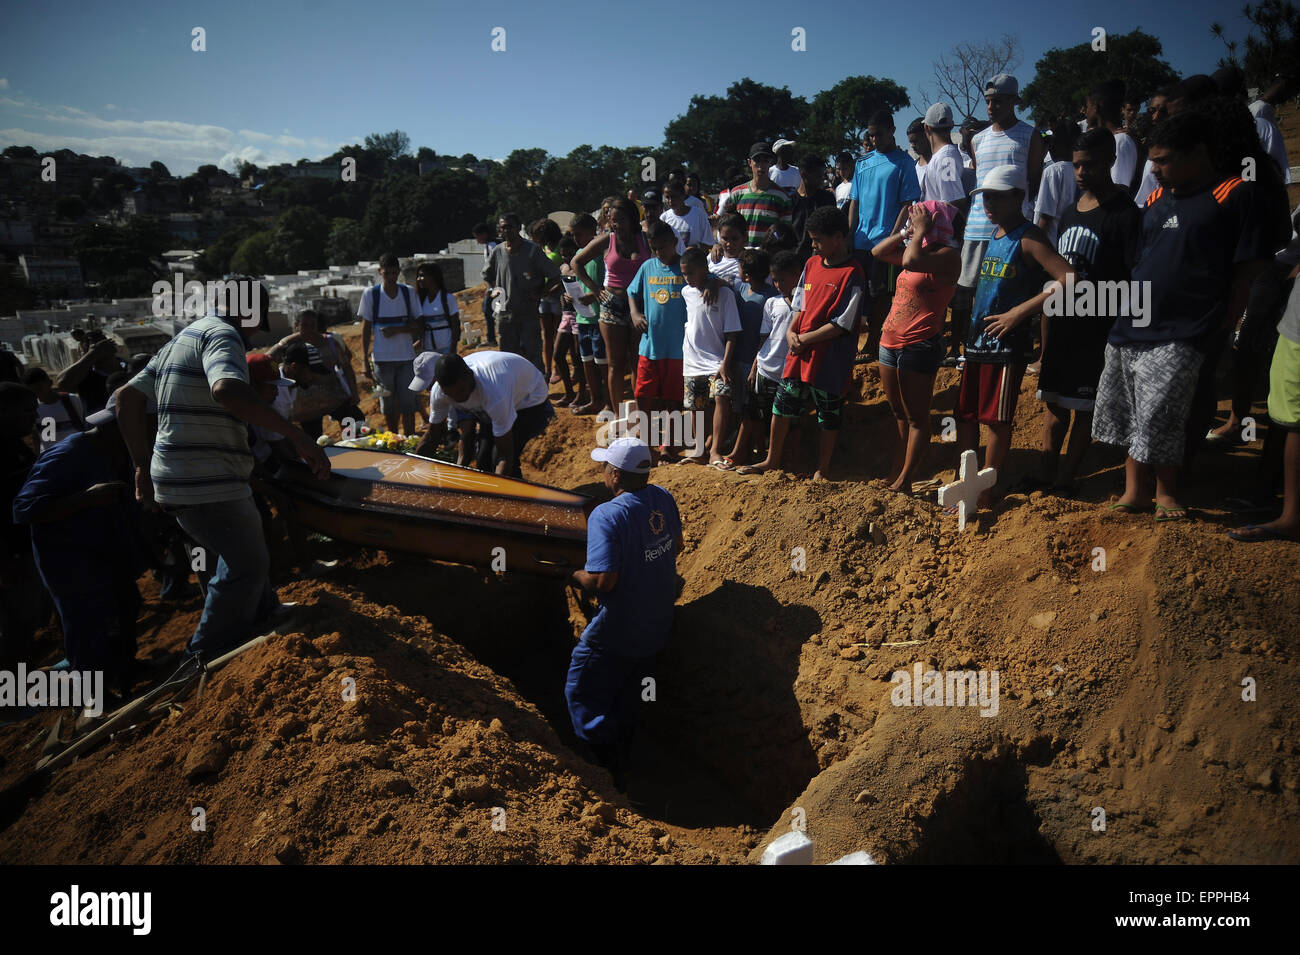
<point x="965" y="491"/>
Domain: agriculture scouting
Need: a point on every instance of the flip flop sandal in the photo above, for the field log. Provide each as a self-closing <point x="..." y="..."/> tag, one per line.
<point x="1128" y="508"/>
<point x="726" y="464"/>
<point x="1170" y="515"/>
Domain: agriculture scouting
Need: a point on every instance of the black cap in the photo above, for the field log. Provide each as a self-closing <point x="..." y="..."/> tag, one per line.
<point x="449" y="369"/>
<point x="761" y="149"/>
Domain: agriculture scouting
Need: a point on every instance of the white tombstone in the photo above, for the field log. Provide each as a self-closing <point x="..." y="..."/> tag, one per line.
<point x="793" y="848"/>
<point x="965" y="491"/>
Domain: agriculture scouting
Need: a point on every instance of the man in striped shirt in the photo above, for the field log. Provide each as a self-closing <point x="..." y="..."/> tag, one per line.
<point x="197" y="468"/>
<point x="760" y="202"/>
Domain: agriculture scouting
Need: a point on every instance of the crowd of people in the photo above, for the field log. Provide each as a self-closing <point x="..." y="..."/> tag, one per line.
<point x="1119" y="257"/>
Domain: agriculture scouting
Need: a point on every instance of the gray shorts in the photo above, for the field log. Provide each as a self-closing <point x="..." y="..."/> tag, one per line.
<point x="1143" y="400"/>
<point x="396" y="378"/>
<point x="972" y="257"/>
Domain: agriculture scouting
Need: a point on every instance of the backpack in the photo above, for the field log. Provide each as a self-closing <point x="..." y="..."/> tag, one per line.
<point x="375" y="292"/>
<point x="434" y="323"/>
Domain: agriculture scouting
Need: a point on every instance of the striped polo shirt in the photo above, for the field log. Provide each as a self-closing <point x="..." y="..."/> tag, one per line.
<point x="993" y="147"/>
<point x="201" y="454"/>
<point x="761" y="209"/>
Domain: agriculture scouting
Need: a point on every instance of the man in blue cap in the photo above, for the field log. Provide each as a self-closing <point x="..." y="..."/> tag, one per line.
<point x="632" y="547"/>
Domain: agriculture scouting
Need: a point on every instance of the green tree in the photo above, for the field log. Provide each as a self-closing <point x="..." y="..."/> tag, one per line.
<point x="214" y="261"/>
<point x="516" y="184"/>
<point x="579" y="181"/>
<point x="389" y="145"/>
<point x="108" y="250"/>
<point x="1272" y="46"/>
<point x="299" y="239"/>
<point x="1063" y="77"/>
<point x="253" y="257"/>
<point x="344" y="246"/>
<point x="838" y="117"/>
<point x="715" y="132"/>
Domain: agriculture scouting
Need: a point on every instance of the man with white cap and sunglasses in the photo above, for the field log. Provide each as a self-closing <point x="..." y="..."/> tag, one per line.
<point x="632" y="547"/>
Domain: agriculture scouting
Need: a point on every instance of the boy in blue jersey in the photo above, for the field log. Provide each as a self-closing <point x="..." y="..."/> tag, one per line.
<point x="632" y="547"/>
<point x="659" y="315"/>
<point x="1017" y="262"/>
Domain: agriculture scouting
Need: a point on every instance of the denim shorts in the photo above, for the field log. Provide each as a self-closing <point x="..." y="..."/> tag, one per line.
<point x="923" y="357"/>
<point x="591" y="344"/>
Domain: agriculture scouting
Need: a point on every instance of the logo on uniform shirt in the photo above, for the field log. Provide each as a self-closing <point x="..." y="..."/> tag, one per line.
<point x="656" y="523"/>
<point x="662" y="296"/>
<point x="1171" y="222"/>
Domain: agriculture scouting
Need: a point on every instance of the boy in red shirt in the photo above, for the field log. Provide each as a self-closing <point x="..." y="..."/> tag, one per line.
<point x="823" y="338"/>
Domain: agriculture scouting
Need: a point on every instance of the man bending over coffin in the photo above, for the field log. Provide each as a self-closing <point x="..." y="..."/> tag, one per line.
<point x="497" y="399"/>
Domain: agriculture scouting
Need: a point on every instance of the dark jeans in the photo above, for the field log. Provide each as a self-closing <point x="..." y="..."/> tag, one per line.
<point x="529" y="423"/>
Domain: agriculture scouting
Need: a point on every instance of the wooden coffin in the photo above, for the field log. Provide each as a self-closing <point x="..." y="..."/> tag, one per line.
<point x="416" y="505"/>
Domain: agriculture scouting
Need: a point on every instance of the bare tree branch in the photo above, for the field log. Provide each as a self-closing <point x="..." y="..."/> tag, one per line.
<point x="960" y="75"/>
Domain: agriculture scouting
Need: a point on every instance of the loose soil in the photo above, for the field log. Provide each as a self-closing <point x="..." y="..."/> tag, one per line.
<point x="415" y="713"/>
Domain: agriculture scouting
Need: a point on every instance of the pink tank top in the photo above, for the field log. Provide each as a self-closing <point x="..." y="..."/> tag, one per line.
<point x="619" y="271"/>
<point x="920" y="304"/>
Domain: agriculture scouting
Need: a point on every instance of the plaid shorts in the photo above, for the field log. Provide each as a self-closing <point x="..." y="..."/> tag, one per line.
<point x="1144" y="398"/>
<point x="794" y="396"/>
<point x="699" y="389"/>
<point x="759" y="399"/>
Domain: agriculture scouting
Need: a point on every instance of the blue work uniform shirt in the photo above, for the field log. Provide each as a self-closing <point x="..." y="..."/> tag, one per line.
<point x="634" y="535"/>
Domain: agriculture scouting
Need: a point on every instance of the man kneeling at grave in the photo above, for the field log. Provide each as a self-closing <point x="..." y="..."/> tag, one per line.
<point x="499" y="395"/>
<point x="632" y="547"/>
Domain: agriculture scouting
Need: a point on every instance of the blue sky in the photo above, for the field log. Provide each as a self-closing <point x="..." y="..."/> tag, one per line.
<point x="284" y="80"/>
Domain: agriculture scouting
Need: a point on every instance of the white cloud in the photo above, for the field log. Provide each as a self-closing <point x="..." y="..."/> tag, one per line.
<point x="181" y="146"/>
<point x="4" y="83"/>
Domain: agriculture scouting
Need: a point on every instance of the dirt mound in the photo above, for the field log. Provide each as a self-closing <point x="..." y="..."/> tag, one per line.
<point x="375" y="740"/>
<point x="1122" y="650"/>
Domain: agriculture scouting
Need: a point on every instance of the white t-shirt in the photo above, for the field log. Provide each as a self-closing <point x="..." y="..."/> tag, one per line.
<point x="1270" y="137"/>
<point x="776" y="322"/>
<point x="1147" y="185"/>
<point x="706" y="330"/>
<point x="726" y="268"/>
<point x="695" y="202"/>
<point x="487" y="249"/>
<point x="63" y="425"/>
<point x="919" y="166"/>
<point x="391" y="310"/>
<point x="692" y="228"/>
<point x="842" y="193"/>
<point x="504" y="383"/>
<point x="437" y="330"/>
<point x="787" y="179"/>
<point x="1126" y="160"/>
<point x="943" y="176"/>
<point x="1057" y="192"/>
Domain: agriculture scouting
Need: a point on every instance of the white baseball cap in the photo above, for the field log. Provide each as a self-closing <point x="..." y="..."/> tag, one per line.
<point x="780" y="143"/>
<point x="1004" y="179"/>
<point x="424" y="370"/>
<point x="626" y="454"/>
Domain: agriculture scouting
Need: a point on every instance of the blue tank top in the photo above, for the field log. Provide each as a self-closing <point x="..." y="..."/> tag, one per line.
<point x="1006" y="280"/>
